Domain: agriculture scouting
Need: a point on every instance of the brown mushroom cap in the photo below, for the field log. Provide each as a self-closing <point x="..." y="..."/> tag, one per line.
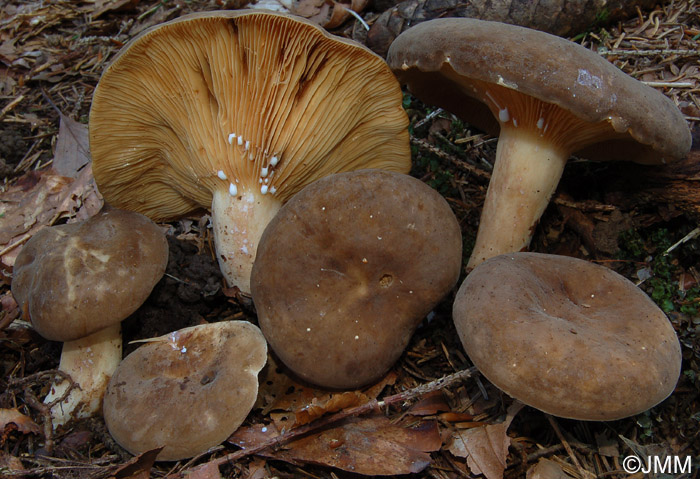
<point x="347" y="270"/>
<point x="547" y="98"/>
<point x="187" y="391"/>
<point x="236" y="111"/>
<point x="487" y="71"/>
<point x="566" y="336"/>
<point x="77" y="279"/>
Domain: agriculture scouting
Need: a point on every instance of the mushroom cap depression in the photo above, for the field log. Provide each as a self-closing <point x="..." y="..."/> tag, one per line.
<point x="491" y="73"/>
<point x="77" y="279"/>
<point x="187" y="391"/>
<point x="347" y="270"/>
<point x="218" y="95"/>
<point x="566" y="336"/>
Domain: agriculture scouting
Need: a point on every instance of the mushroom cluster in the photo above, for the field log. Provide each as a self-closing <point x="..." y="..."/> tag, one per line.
<point x="546" y="98"/>
<point x="76" y="283"/>
<point x="567" y="336"/>
<point x="236" y="111"/>
<point x="347" y="270"/>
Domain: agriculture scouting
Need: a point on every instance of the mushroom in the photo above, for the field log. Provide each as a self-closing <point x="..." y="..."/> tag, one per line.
<point x="186" y="391"/>
<point x="566" y="336"/>
<point x="347" y="270"/>
<point x="76" y="283"/>
<point x="549" y="98"/>
<point x="236" y="111"/>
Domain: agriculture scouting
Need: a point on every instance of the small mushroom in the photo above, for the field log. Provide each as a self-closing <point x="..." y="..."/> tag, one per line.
<point x="566" y="336"/>
<point x="186" y="391"/>
<point x="347" y="270"/>
<point x="235" y="111"/>
<point x="546" y="98"/>
<point x="76" y="283"/>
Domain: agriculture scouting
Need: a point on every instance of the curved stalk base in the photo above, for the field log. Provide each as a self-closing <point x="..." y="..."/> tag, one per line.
<point x="239" y="222"/>
<point x="90" y="362"/>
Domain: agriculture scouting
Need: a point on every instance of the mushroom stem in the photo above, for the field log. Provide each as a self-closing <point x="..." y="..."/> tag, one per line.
<point x="525" y="175"/>
<point x="239" y="222"/>
<point x="90" y="362"/>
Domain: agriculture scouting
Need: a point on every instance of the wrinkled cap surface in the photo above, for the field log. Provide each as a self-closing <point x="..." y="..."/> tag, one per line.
<point x="568" y="337"/>
<point x="236" y="101"/>
<point x="348" y="268"/>
<point x="76" y="279"/>
<point x="187" y="391"/>
<point x="488" y="72"/>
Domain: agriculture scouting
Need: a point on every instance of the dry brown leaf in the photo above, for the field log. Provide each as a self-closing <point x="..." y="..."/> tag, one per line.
<point x="327" y="13"/>
<point x="72" y="147"/>
<point x="485" y="447"/>
<point x="431" y="403"/>
<point x="335" y="403"/>
<point x="205" y="471"/>
<point x="39" y="199"/>
<point x="257" y="469"/>
<point x="104" y="6"/>
<point x="137" y="468"/>
<point x="371" y="446"/>
<point x="21" y="206"/>
<point x="9" y="309"/>
<point x="302" y="403"/>
<point x="546" y="469"/>
<point x="24" y="424"/>
<point x="607" y="446"/>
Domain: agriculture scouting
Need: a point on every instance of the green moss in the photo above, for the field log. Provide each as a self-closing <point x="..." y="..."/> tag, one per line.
<point x="650" y="249"/>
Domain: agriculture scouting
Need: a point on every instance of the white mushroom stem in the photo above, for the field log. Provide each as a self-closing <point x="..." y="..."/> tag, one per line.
<point x="239" y="222"/>
<point x="526" y="173"/>
<point x="90" y="362"/>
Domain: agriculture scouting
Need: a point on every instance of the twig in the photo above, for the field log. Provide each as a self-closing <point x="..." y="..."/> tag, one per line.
<point x="12" y="246"/>
<point x="669" y="84"/>
<point x="366" y="408"/>
<point x="566" y="445"/>
<point x="47" y="465"/>
<point x="534" y="456"/>
<point x="692" y="235"/>
<point x="649" y="53"/>
<point x="356" y="15"/>
<point x="10" y="106"/>
<point x="428" y="117"/>
<point x="44" y="409"/>
<point x="423" y="144"/>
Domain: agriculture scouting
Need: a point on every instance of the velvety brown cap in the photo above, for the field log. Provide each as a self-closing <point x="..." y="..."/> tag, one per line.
<point x="187" y="391"/>
<point x="76" y="279"/>
<point x="347" y="270"/>
<point x="235" y="101"/>
<point x="567" y="336"/>
<point x="445" y="61"/>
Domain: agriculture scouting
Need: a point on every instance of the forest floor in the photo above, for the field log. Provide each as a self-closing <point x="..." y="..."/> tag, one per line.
<point x="51" y="58"/>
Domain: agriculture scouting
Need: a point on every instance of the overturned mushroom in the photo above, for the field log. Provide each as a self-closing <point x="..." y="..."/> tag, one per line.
<point x="236" y="111"/>
<point x="186" y="391"/>
<point x="547" y="98"/>
<point x="347" y="270"/>
<point x="77" y="282"/>
<point x="567" y="336"/>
